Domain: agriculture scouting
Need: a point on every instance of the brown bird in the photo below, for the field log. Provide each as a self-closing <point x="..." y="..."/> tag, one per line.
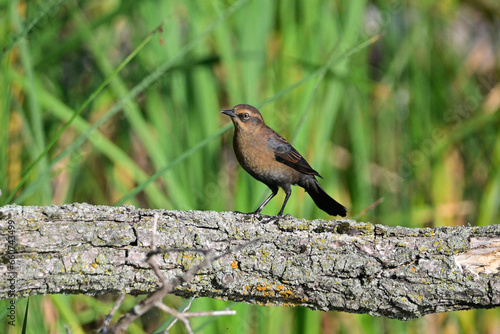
<point x="269" y="158"/>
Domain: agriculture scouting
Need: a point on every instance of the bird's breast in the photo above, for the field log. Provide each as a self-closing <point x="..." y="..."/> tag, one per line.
<point x="252" y="152"/>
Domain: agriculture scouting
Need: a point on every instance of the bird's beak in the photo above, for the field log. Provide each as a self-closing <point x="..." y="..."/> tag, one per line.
<point x="229" y="112"/>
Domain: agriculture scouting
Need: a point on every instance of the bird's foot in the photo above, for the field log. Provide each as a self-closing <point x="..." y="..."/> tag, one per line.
<point x="275" y="219"/>
<point x="247" y="213"/>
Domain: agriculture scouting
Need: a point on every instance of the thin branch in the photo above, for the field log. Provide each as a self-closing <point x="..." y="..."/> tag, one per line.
<point x="175" y="320"/>
<point x="177" y="315"/>
<point x="208" y="313"/>
<point x="369" y="208"/>
<point x="115" y="308"/>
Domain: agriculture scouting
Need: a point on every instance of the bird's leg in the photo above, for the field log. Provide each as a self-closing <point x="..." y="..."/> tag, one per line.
<point x="259" y="209"/>
<point x="288" y="192"/>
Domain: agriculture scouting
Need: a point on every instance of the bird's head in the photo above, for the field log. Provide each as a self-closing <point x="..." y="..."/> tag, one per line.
<point x="245" y="117"/>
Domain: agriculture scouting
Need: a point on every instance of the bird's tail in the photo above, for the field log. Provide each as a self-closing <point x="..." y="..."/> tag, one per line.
<point x="322" y="199"/>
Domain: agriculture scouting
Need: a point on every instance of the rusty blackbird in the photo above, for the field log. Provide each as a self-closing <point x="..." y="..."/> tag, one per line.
<point x="269" y="158"/>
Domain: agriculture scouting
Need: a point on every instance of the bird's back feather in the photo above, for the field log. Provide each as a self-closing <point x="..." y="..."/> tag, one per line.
<point x="286" y="154"/>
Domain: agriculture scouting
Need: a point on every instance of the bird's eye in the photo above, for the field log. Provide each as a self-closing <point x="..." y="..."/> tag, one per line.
<point x="246" y="116"/>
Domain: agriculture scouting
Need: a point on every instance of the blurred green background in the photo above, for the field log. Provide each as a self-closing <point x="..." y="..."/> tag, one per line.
<point x="396" y="100"/>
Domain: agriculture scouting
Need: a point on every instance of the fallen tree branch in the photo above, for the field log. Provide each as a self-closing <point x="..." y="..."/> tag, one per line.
<point x="341" y="265"/>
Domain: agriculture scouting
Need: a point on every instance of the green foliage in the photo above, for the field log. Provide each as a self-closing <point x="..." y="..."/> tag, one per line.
<point x="112" y="102"/>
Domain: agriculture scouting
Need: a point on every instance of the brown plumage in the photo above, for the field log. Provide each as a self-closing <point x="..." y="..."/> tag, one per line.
<point x="269" y="158"/>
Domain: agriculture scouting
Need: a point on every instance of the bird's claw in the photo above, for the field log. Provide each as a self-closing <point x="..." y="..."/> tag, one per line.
<point x="247" y="213"/>
<point x="275" y="218"/>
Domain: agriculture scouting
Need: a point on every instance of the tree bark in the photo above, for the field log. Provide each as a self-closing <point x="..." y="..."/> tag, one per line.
<point x="341" y="265"/>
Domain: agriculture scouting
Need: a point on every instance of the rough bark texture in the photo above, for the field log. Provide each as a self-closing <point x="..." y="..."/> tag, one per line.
<point x="341" y="265"/>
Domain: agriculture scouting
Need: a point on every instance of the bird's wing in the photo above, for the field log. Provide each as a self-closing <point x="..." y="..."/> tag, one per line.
<point x="285" y="153"/>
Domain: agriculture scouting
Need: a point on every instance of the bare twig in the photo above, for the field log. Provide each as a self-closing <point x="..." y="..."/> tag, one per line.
<point x="155" y="299"/>
<point x="369" y="208"/>
<point x="209" y="313"/>
<point x="175" y="320"/>
<point x="178" y="316"/>
<point x="107" y="321"/>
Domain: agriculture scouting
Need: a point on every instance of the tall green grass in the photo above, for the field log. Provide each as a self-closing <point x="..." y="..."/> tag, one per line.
<point x="112" y="102"/>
